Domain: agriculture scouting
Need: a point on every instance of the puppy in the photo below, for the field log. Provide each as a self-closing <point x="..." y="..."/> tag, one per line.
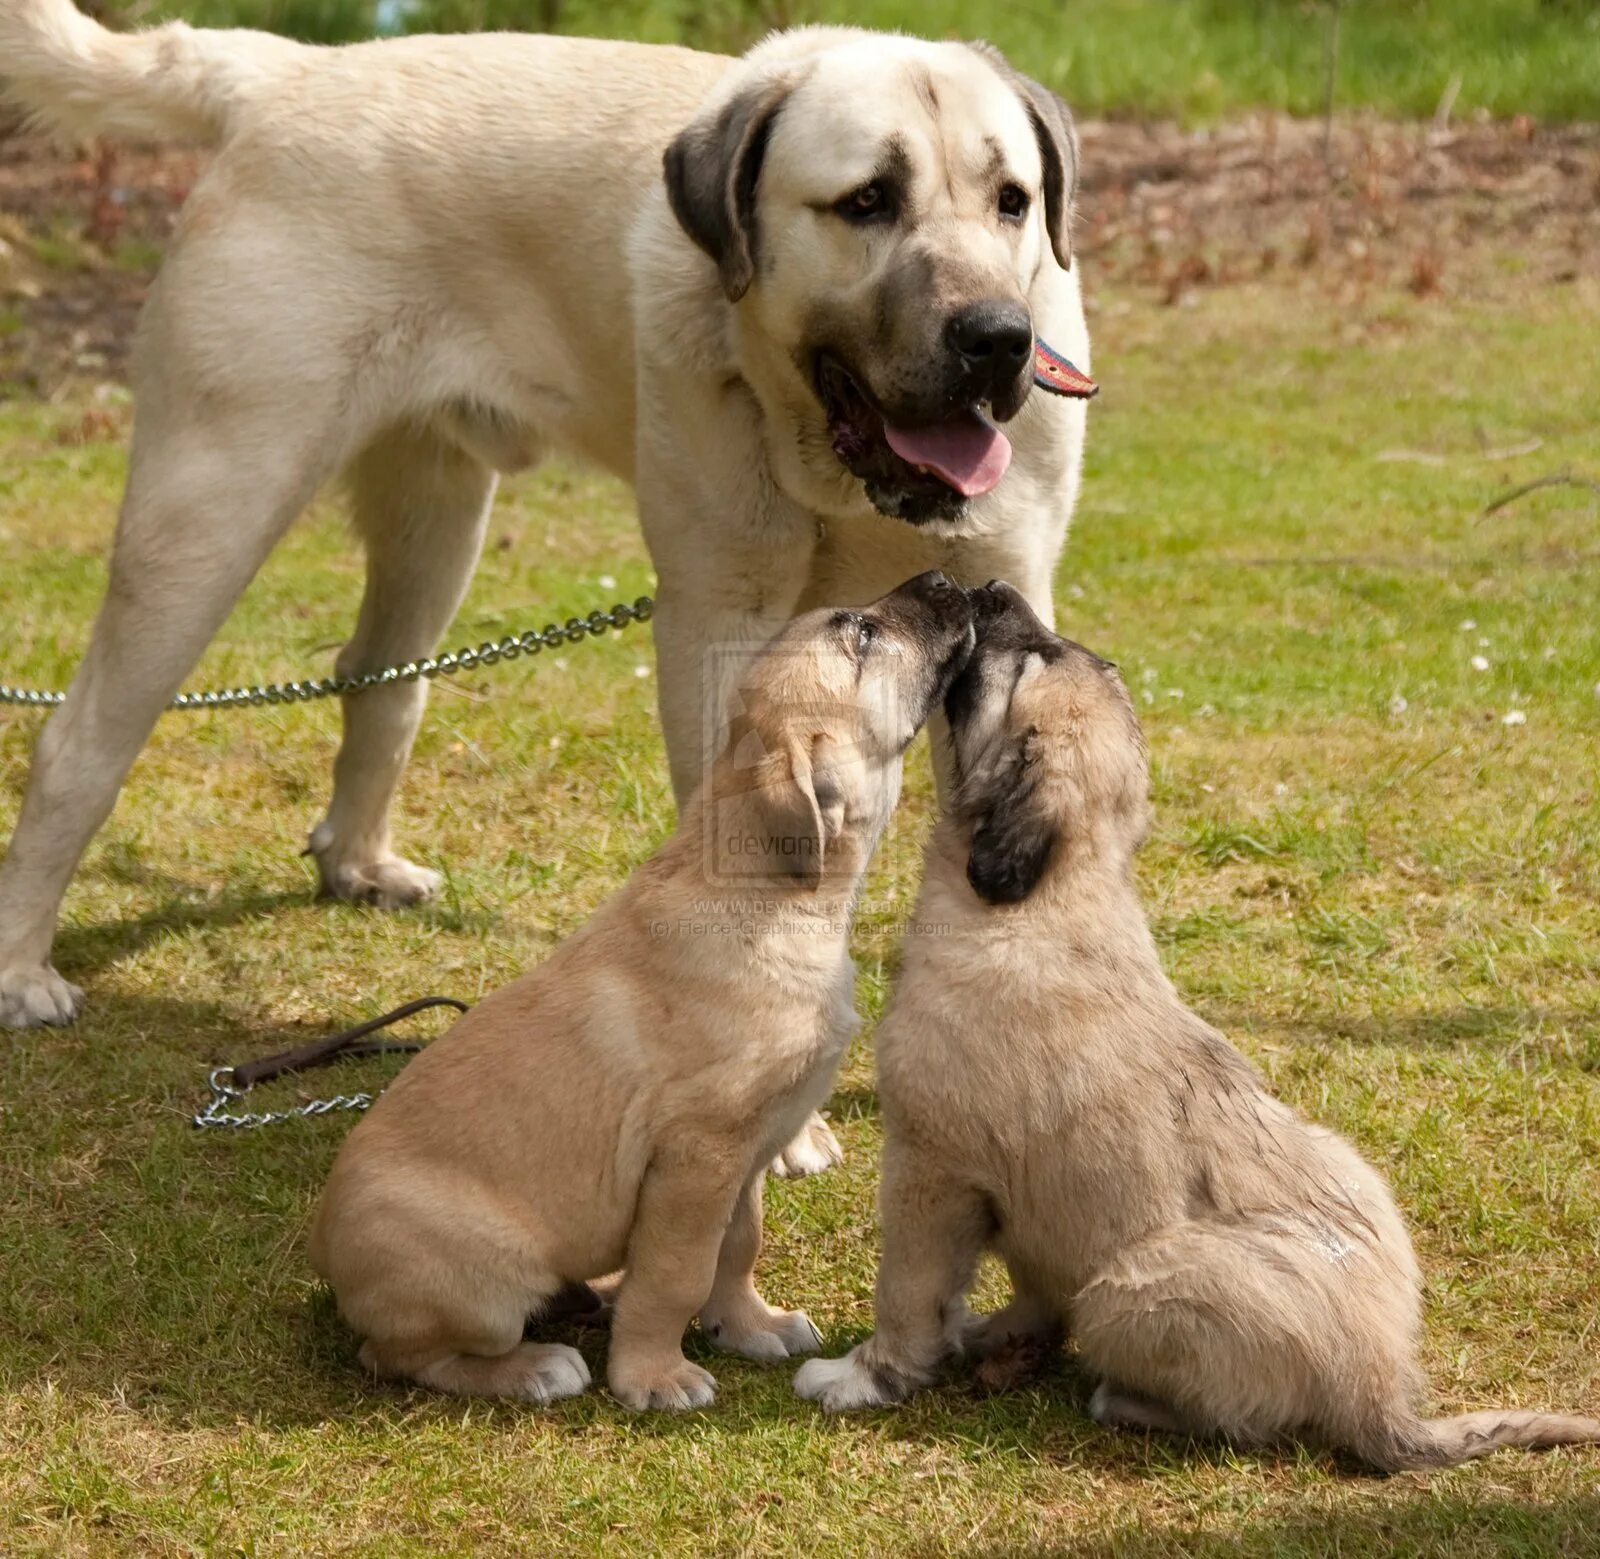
<point x="619" y="1105"/>
<point x="1225" y="1267"/>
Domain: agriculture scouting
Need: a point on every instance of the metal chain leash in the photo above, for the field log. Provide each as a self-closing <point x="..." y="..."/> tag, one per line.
<point x="229" y="1084"/>
<point x="218" y="1112"/>
<point x="488" y="653"/>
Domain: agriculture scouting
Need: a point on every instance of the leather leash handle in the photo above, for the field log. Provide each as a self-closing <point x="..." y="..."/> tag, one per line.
<point x="320" y="1052"/>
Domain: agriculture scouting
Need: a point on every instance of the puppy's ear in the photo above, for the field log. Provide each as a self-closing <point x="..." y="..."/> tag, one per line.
<point x="1058" y="150"/>
<point x="712" y="169"/>
<point x="803" y="812"/>
<point x="1012" y="842"/>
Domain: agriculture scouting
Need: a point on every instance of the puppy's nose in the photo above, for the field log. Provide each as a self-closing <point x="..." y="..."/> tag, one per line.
<point x="994" y="338"/>
<point x="997" y="598"/>
<point x="934" y="582"/>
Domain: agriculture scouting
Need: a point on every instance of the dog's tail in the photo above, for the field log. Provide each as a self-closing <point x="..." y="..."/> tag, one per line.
<point x="71" y="74"/>
<point x="1420" y="1443"/>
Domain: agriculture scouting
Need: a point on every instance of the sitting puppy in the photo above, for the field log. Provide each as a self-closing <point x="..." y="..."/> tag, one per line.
<point x="1225" y="1267"/>
<point x="618" y="1105"/>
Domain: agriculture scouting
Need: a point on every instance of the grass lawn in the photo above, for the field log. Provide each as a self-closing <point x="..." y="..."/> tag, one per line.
<point x="1193" y="58"/>
<point x="1385" y="892"/>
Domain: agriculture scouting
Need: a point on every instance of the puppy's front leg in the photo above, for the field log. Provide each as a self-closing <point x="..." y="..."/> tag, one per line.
<point x="736" y="1318"/>
<point x="685" y="1207"/>
<point x="934" y="1228"/>
<point x="732" y="560"/>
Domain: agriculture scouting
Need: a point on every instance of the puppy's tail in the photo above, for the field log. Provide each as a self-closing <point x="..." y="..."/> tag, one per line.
<point x="1420" y="1443"/>
<point x="70" y="74"/>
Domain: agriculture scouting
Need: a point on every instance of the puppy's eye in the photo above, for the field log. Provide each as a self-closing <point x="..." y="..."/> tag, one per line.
<point x="870" y="203"/>
<point x="1013" y="202"/>
<point x="866" y="636"/>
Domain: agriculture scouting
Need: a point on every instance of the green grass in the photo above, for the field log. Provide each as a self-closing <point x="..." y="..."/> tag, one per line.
<point x="1193" y="58"/>
<point x="1394" y="910"/>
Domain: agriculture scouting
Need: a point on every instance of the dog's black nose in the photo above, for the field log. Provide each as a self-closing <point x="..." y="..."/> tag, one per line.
<point x="934" y="582"/>
<point x="996" y="599"/>
<point x="937" y="598"/>
<point x="994" y="338"/>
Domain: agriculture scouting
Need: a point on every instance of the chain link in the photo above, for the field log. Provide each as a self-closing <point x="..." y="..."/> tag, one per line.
<point x="219" y="1112"/>
<point x="223" y="1095"/>
<point x="488" y="653"/>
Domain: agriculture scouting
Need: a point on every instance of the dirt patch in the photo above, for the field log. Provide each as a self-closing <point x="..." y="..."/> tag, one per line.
<point x="1474" y="210"/>
<point x="1467" y="210"/>
<point x="80" y="238"/>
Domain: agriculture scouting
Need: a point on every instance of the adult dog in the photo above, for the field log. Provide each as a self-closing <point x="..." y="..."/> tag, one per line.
<point x="421" y="262"/>
<point x="1225" y="1267"/>
<point x="620" y="1104"/>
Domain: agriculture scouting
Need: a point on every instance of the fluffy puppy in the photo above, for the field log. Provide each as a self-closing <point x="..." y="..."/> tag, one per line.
<point x="1225" y="1267"/>
<point x="618" y="1106"/>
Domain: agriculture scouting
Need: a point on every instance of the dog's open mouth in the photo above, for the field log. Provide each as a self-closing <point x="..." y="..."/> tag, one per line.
<point x="964" y="453"/>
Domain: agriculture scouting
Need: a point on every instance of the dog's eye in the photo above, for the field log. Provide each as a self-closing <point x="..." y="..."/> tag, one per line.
<point x="866" y="634"/>
<point x="1013" y="202"/>
<point x="870" y="203"/>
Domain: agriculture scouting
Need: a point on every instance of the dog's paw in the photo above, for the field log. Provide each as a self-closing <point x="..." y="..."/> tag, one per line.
<point x="674" y="1388"/>
<point x="546" y="1372"/>
<point x="531" y="1372"/>
<point x="37" y="997"/>
<point x="389" y="882"/>
<point x="814" y="1149"/>
<point x="767" y="1337"/>
<point x="1022" y="1325"/>
<point x="846" y="1385"/>
<point x="1011" y="1363"/>
<point x="1114" y="1409"/>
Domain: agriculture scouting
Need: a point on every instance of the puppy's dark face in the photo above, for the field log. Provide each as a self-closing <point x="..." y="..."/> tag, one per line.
<point x="1049" y="755"/>
<point x="810" y="767"/>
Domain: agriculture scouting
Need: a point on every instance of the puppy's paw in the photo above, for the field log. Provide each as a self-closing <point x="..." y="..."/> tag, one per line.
<point x="767" y="1335"/>
<point x="679" y="1387"/>
<point x="545" y="1372"/>
<point x="1114" y="1409"/>
<point x="849" y="1384"/>
<point x="1011" y="1364"/>
<point x="814" y="1149"/>
<point x="531" y="1372"/>
<point x="1023" y="1326"/>
<point x="37" y="998"/>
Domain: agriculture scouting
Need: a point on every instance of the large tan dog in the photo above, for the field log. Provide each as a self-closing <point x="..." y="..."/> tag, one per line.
<point x="424" y="261"/>
<point x="1225" y="1267"/>
<point x="620" y="1104"/>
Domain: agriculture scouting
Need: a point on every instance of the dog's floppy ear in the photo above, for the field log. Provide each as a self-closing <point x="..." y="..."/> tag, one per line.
<point x="803" y="811"/>
<point x="712" y="169"/>
<point x="1058" y="150"/>
<point x="1012" y="841"/>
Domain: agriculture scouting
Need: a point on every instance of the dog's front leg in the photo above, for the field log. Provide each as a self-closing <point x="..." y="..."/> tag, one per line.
<point x="732" y="555"/>
<point x="421" y="506"/>
<point x="934" y="1229"/>
<point x="685" y="1206"/>
<point x="736" y="1318"/>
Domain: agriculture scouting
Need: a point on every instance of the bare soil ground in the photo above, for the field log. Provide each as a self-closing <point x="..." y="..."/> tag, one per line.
<point x="1472" y="210"/>
<point x="1373" y="204"/>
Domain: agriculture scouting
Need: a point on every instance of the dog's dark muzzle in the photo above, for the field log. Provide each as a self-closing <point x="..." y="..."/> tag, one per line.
<point x="937" y="612"/>
<point x="1001" y="612"/>
<point x="992" y="345"/>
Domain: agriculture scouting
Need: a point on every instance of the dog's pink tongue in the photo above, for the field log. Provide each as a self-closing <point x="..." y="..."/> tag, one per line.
<point x="968" y="453"/>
